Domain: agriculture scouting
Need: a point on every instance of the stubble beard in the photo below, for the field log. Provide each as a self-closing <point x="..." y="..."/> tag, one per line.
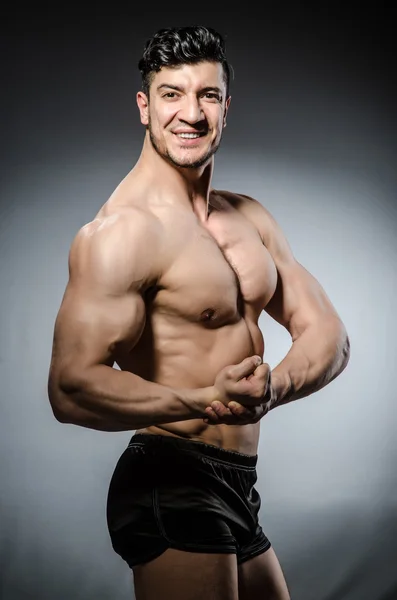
<point x="185" y="164"/>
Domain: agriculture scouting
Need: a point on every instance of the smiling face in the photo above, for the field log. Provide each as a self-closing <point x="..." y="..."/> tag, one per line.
<point x="186" y="113"/>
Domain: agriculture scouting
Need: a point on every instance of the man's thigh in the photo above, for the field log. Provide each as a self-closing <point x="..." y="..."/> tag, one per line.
<point x="261" y="578"/>
<point x="181" y="575"/>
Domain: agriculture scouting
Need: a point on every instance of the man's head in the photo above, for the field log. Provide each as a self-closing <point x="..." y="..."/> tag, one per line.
<point x="185" y="93"/>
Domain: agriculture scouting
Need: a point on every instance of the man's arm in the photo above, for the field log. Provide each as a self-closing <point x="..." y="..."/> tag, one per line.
<point x="320" y="348"/>
<point x="102" y="312"/>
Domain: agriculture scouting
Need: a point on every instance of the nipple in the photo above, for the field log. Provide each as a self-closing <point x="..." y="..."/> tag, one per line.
<point x="207" y="314"/>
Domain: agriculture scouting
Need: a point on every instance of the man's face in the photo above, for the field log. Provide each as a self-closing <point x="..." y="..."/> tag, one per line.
<point x="186" y="113"/>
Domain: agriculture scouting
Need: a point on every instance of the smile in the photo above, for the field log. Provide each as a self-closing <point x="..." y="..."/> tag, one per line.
<point x="189" y="136"/>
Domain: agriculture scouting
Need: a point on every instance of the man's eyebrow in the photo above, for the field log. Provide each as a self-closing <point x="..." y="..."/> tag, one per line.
<point x="168" y="85"/>
<point x="180" y="89"/>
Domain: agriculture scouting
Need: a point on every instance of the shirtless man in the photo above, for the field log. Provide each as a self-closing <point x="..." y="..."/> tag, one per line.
<point x="168" y="282"/>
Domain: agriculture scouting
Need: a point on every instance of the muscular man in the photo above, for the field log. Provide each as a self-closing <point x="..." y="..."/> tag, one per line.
<point x="168" y="282"/>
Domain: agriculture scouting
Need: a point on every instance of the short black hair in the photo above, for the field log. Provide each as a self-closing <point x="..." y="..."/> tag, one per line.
<point x="176" y="46"/>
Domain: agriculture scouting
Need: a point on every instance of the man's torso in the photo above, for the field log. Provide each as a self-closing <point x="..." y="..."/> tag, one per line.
<point x="202" y="312"/>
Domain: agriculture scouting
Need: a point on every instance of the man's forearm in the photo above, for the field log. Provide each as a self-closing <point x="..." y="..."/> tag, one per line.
<point x="316" y="357"/>
<point x="107" y="399"/>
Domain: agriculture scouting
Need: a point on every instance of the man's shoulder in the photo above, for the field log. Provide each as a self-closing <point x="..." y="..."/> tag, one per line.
<point x="122" y="225"/>
<point x="126" y="241"/>
<point x="269" y="229"/>
<point x="248" y="206"/>
<point x="239" y="200"/>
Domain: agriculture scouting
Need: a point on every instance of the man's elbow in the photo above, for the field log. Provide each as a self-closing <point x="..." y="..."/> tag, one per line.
<point x="60" y="395"/>
<point x="338" y="347"/>
<point x="342" y="354"/>
<point x="61" y="405"/>
<point x="345" y="352"/>
<point x="61" y="415"/>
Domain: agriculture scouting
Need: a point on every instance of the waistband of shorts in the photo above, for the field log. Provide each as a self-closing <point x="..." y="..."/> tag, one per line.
<point x="231" y="457"/>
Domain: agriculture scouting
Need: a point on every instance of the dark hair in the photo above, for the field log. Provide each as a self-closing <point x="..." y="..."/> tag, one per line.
<point x="182" y="45"/>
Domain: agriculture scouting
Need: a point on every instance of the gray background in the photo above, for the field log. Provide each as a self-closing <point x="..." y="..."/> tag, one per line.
<point x="311" y="134"/>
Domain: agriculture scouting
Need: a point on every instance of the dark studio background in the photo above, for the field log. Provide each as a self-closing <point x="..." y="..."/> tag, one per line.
<point x="312" y="134"/>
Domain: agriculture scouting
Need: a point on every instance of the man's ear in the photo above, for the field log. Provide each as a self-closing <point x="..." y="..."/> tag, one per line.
<point x="227" y="104"/>
<point x="143" y="105"/>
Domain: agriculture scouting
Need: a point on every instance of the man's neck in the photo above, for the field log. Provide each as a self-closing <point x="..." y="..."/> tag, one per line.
<point x="183" y="183"/>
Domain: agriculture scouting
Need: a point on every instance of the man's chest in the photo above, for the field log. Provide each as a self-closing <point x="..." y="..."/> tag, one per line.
<point x="219" y="271"/>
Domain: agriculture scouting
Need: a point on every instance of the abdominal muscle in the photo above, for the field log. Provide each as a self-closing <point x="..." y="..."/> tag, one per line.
<point x="193" y="360"/>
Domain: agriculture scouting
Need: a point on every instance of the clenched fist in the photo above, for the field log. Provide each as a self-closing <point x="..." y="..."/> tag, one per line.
<point x="244" y="393"/>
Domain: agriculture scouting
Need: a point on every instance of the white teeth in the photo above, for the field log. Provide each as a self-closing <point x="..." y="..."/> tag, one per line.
<point x="188" y="135"/>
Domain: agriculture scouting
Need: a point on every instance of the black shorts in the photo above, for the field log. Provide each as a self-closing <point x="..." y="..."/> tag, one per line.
<point x="168" y="492"/>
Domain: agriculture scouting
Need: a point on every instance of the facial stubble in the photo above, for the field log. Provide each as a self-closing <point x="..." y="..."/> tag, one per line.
<point x="173" y="160"/>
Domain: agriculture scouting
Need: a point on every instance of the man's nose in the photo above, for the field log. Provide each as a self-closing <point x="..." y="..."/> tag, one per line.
<point x="191" y="110"/>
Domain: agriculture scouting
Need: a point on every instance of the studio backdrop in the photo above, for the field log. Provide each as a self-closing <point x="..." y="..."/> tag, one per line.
<point x="311" y="134"/>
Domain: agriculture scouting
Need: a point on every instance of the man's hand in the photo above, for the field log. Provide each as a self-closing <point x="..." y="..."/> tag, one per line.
<point x="245" y="393"/>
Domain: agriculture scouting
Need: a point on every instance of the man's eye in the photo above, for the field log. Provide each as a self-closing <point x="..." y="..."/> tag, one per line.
<point x="211" y="95"/>
<point x="169" y="95"/>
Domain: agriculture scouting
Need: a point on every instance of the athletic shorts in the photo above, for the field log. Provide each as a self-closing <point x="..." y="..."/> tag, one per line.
<point x="167" y="492"/>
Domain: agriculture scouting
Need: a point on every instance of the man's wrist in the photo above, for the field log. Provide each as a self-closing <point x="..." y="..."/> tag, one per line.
<point x="280" y="389"/>
<point x="198" y="400"/>
<point x="209" y="395"/>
